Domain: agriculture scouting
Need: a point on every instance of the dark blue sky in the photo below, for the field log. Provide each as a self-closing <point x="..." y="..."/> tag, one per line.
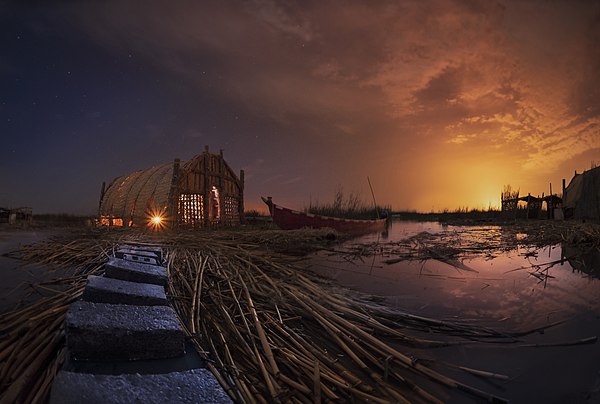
<point x="440" y="103"/>
<point x="75" y="114"/>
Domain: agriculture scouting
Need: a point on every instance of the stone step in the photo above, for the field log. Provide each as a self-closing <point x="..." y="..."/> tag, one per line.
<point x="144" y="247"/>
<point x="191" y="386"/>
<point x="100" y="289"/>
<point x="101" y="331"/>
<point x="131" y="254"/>
<point x="118" y="268"/>
<point x="140" y="258"/>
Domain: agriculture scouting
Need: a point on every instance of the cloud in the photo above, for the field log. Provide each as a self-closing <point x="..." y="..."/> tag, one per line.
<point x="496" y="71"/>
<point x="513" y="81"/>
<point x="287" y="21"/>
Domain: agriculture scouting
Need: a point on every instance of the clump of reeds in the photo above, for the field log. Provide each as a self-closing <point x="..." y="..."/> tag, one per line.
<point x="62" y="220"/>
<point x="350" y="206"/>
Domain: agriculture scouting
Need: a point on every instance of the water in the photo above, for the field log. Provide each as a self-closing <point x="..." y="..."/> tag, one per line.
<point x="17" y="277"/>
<point x="521" y="288"/>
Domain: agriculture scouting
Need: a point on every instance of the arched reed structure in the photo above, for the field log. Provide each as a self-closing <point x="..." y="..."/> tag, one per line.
<point x="200" y="192"/>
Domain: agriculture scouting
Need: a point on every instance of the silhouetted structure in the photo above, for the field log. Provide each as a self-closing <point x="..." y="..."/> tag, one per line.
<point x="533" y="205"/>
<point x="16" y="215"/>
<point x="199" y="192"/>
<point x="582" y="196"/>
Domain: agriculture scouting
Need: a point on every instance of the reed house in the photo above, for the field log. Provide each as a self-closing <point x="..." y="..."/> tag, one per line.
<point x="200" y="192"/>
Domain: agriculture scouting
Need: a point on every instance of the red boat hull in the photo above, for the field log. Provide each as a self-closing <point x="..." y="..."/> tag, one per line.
<point x="288" y="219"/>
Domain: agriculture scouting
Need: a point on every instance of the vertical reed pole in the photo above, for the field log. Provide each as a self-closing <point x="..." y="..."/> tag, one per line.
<point x="373" y="195"/>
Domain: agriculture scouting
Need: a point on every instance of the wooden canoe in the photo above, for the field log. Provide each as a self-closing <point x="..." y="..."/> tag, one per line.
<point x="288" y="219"/>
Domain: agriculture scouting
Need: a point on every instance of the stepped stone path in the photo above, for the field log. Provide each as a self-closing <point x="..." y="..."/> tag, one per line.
<point x="125" y="342"/>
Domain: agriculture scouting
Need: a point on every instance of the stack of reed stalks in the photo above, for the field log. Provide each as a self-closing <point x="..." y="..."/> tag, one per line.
<point x="268" y="331"/>
<point x="272" y="332"/>
<point x="32" y="341"/>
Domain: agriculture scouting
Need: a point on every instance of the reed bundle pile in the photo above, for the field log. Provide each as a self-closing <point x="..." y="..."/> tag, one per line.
<point x="272" y="332"/>
<point x="32" y="340"/>
<point x="268" y="331"/>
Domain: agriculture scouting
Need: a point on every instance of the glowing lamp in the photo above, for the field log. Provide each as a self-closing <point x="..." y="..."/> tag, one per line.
<point x="156" y="220"/>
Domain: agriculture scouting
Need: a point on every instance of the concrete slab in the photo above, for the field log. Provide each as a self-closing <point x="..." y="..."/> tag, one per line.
<point x="144" y="247"/>
<point x="100" y="331"/>
<point x="192" y="386"/>
<point x="118" y="268"/>
<point x="190" y="360"/>
<point x="100" y="289"/>
<point x="137" y="255"/>
<point x="139" y="258"/>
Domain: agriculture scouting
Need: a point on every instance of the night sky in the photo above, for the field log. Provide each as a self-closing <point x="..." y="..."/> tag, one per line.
<point x="440" y="103"/>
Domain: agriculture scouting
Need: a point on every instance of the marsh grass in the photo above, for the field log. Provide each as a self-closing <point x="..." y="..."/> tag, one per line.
<point x="62" y="220"/>
<point x="348" y="206"/>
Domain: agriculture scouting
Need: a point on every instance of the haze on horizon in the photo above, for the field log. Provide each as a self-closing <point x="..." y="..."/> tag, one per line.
<point x="440" y="103"/>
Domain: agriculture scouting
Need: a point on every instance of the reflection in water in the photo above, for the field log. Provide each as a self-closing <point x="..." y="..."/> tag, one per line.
<point x="586" y="261"/>
<point x="414" y="270"/>
<point x="511" y="287"/>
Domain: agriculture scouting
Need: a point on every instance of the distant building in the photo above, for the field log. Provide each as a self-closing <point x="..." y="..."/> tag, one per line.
<point x="23" y="215"/>
<point x="581" y="199"/>
<point x="200" y="192"/>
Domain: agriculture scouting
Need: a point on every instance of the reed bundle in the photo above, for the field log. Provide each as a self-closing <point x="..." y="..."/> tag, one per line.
<point x="272" y="332"/>
<point x="32" y="343"/>
<point x="268" y="331"/>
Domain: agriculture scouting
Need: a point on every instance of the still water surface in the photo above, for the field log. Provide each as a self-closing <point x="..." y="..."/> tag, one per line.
<point x="506" y="293"/>
<point x="504" y="288"/>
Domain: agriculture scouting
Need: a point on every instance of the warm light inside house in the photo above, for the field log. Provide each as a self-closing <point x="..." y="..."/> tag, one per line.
<point x="156" y="219"/>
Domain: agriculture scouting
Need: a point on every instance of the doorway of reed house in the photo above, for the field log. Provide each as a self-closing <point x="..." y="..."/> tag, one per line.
<point x="214" y="206"/>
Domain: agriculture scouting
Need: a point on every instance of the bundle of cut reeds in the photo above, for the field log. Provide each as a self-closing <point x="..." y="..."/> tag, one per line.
<point x="32" y="345"/>
<point x="274" y="333"/>
<point x="269" y="331"/>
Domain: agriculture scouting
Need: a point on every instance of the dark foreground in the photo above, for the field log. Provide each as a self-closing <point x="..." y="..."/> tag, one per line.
<point x="270" y="329"/>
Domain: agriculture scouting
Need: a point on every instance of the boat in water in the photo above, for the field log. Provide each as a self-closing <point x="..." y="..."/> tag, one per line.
<point x="288" y="219"/>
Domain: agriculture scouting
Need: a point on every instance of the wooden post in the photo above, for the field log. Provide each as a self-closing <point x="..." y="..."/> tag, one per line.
<point x="550" y="204"/>
<point x="564" y="182"/>
<point x="223" y="220"/>
<point x="172" y="210"/>
<point x="205" y="174"/>
<point x="102" y="191"/>
<point x="374" y="201"/>
<point x="241" y="198"/>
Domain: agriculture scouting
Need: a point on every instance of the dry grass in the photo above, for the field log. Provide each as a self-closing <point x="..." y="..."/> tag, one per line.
<point x="268" y="331"/>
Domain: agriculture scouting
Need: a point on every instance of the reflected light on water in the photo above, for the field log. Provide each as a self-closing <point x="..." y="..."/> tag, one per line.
<point x="522" y="286"/>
